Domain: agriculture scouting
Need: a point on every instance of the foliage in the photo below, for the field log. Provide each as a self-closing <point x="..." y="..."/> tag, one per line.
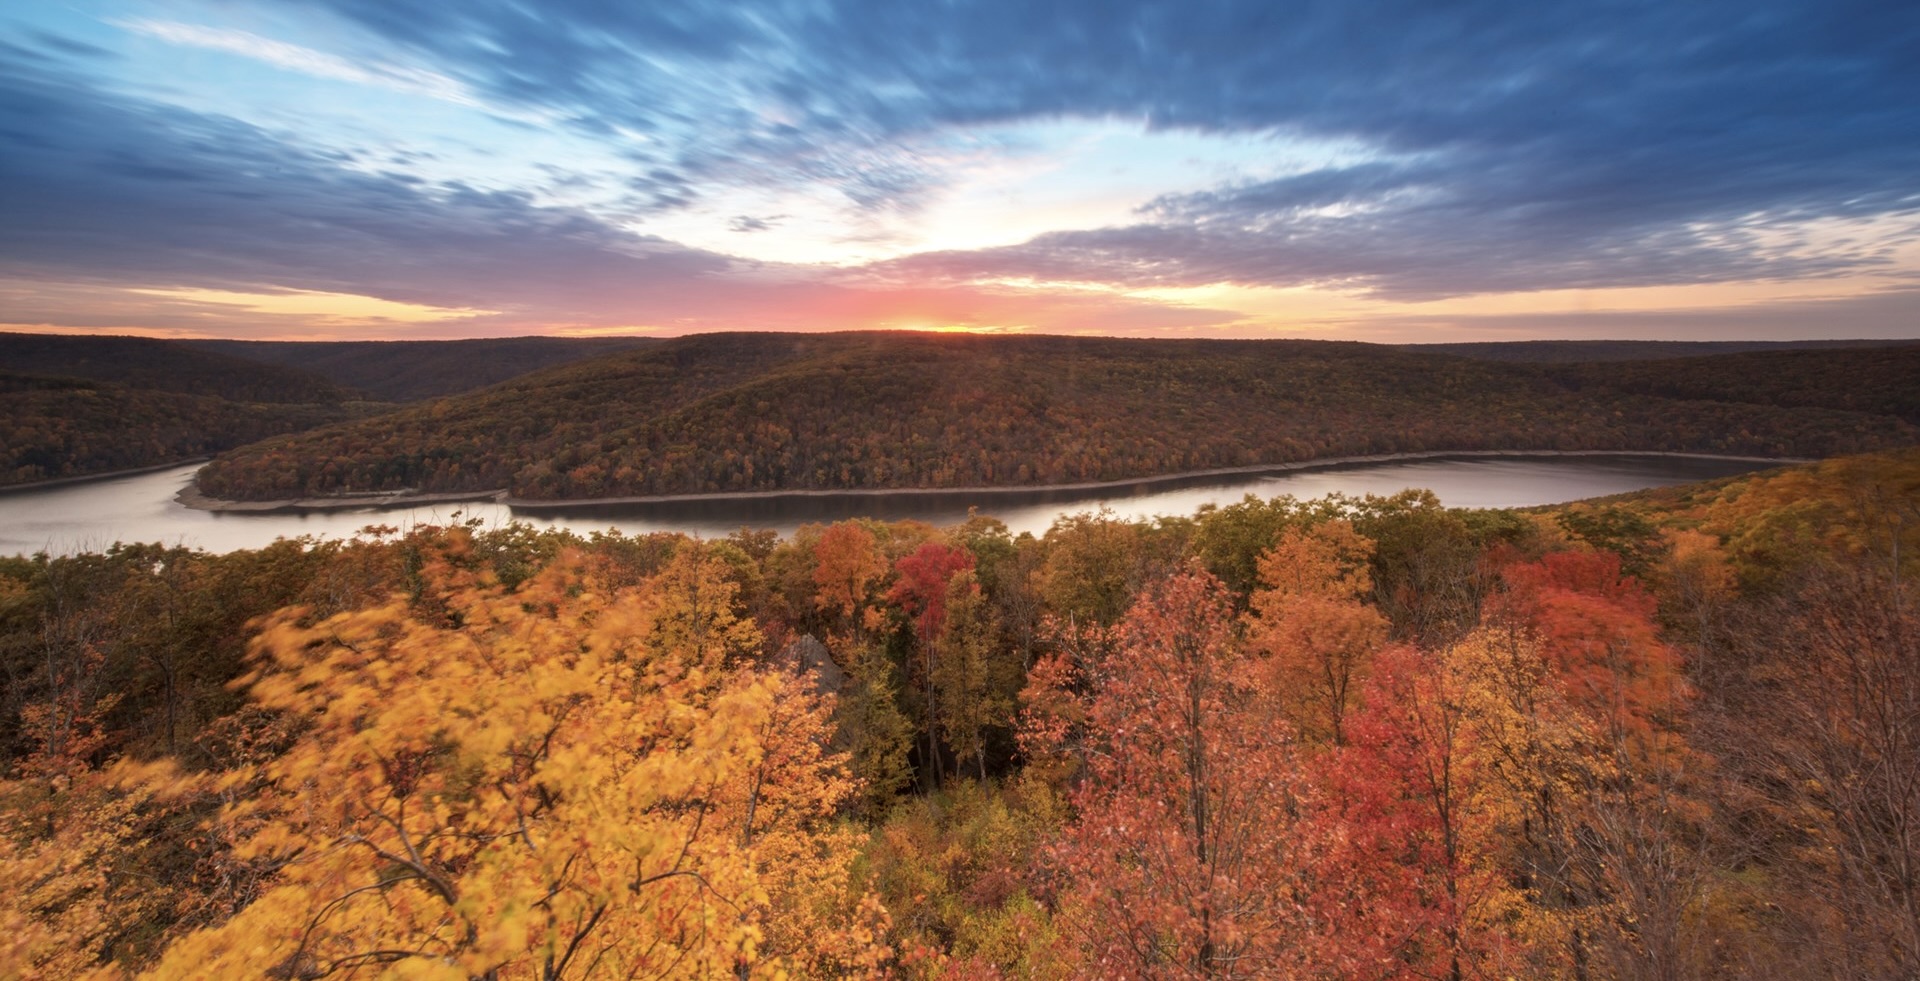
<point x="954" y="869"/>
<point x="1186" y="855"/>
<point x="552" y="781"/>
<point x="1664" y="736"/>
<point x="1415" y="880"/>
<point x="1310" y="622"/>
<point x="761" y="412"/>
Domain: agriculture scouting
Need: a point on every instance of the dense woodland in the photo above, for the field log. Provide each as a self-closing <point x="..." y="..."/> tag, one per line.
<point x="1877" y="381"/>
<point x="762" y="412"/>
<point x="53" y="428"/>
<point x="166" y="366"/>
<point x="1580" y="352"/>
<point x="412" y="371"/>
<point x="1670" y="735"/>
<point x="72" y="406"/>
<point x="595" y="417"/>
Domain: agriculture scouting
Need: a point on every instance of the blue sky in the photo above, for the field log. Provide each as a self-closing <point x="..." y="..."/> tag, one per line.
<point x="1366" y="170"/>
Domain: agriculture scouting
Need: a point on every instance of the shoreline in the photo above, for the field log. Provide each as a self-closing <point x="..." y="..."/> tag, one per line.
<point x="87" y="478"/>
<point x="190" y="496"/>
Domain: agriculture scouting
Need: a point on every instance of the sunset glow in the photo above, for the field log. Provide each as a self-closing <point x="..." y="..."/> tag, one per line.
<point x="343" y="309"/>
<point x="343" y="169"/>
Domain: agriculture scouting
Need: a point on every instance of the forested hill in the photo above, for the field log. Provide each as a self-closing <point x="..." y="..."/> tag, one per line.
<point x="1570" y="352"/>
<point x="410" y="371"/>
<point x="167" y="366"/>
<point x="1881" y="380"/>
<point x="79" y="406"/>
<point x="761" y="412"/>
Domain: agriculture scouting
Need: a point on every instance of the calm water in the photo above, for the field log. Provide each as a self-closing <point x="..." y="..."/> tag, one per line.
<point x="91" y="516"/>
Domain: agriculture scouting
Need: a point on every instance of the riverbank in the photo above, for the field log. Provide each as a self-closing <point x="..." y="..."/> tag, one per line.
<point x="89" y="478"/>
<point x="191" y="497"/>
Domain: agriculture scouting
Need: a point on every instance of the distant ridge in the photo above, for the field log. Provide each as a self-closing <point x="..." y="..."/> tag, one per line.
<point x="166" y="366"/>
<point x="1576" y="351"/>
<point x="412" y="371"/>
<point x="83" y="405"/>
<point x="78" y="406"/>
<point x="742" y="412"/>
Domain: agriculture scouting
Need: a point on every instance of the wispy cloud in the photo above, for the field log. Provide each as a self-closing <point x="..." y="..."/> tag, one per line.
<point x="305" y="61"/>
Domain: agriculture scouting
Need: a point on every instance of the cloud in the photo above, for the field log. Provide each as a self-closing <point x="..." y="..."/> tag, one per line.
<point x="1424" y="232"/>
<point x="306" y="61"/>
<point x="118" y="189"/>
<point x="127" y="213"/>
<point x="750" y="223"/>
<point x="1879" y="314"/>
<point x="1519" y="145"/>
<point x="1496" y="146"/>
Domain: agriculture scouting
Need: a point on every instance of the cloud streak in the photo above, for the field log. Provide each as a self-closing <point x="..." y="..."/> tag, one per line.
<point x="307" y="61"/>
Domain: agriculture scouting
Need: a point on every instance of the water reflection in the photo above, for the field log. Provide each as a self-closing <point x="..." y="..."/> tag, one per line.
<point x="90" y="516"/>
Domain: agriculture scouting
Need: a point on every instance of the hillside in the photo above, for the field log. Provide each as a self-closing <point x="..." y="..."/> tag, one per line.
<point x="412" y="371"/>
<point x="55" y="428"/>
<point x="81" y="405"/>
<point x="1881" y="381"/>
<point x="764" y="412"/>
<point x="78" y="406"/>
<point x="1567" y="352"/>
<point x="167" y="366"/>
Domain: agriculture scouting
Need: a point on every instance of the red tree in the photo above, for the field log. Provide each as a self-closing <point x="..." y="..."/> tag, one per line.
<point x="921" y="586"/>
<point x="1407" y="887"/>
<point x="1186" y="857"/>
<point x="920" y="589"/>
<point x="1596" y="628"/>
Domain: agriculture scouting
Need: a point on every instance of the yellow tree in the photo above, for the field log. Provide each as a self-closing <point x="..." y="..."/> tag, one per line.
<point x="1538" y="757"/>
<point x="1572" y="711"/>
<point x="555" y="781"/>
<point x="69" y="833"/>
<point x="63" y="849"/>
<point x="784" y="813"/>
<point x="974" y="676"/>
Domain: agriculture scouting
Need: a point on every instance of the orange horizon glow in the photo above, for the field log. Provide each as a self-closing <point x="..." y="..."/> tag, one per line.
<point x="1225" y="311"/>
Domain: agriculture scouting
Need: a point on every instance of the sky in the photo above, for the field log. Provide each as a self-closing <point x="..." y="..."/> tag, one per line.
<point x="1379" y="170"/>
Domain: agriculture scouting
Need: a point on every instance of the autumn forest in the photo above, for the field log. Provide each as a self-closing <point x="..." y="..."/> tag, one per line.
<point x="557" y="419"/>
<point x="977" y="490"/>
<point x="1669" y="735"/>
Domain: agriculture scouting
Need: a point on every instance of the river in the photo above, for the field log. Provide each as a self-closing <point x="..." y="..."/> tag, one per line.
<point x="91" y="515"/>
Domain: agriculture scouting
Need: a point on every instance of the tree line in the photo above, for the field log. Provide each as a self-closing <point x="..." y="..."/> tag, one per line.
<point x="760" y="412"/>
